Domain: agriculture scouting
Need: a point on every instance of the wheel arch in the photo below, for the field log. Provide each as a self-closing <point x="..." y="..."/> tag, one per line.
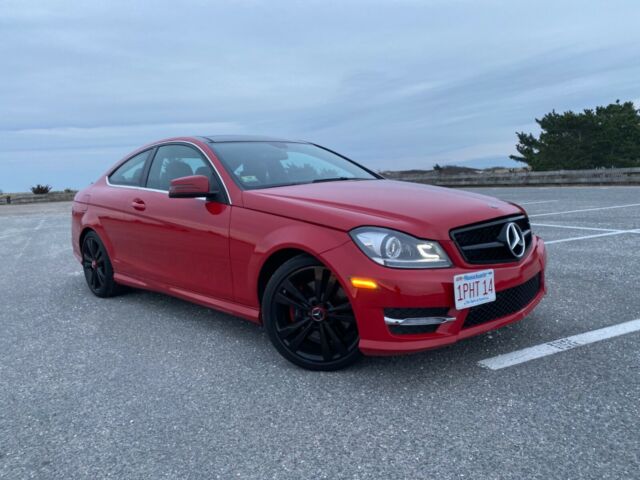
<point x="102" y="235"/>
<point x="83" y="234"/>
<point x="273" y="262"/>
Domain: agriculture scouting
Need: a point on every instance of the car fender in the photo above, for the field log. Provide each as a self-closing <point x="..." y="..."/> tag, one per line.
<point x="256" y="236"/>
<point x="90" y="220"/>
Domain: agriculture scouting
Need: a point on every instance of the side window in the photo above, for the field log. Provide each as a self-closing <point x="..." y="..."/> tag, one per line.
<point x="130" y="172"/>
<point x="175" y="161"/>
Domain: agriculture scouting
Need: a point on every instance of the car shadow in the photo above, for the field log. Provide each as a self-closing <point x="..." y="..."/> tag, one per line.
<point x="254" y="349"/>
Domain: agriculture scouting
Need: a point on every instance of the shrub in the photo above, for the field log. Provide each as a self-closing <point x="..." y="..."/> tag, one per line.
<point x="41" y="189"/>
<point x="68" y="190"/>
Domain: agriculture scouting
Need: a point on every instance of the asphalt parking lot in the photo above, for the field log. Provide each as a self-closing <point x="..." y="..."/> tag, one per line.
<point x="148" y="386"/>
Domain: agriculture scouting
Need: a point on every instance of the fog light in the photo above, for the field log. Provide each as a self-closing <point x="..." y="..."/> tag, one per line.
<point x="364" y="283"/>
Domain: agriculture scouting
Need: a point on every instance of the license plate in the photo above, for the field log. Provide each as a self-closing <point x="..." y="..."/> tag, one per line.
<point x="474" y="288"/>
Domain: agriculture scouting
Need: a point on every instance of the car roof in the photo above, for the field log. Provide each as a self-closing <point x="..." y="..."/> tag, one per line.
<point x="245" y="138"/>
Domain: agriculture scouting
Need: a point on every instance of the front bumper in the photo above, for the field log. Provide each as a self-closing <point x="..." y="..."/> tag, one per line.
<point x="425" y="289"/>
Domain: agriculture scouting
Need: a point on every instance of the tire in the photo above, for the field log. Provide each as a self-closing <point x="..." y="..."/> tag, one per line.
<point x="98" y="271"/>
<point x="308" y="317"/>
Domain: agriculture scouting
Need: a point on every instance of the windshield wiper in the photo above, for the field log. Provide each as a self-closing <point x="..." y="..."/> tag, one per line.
<point x="335" y="179"/>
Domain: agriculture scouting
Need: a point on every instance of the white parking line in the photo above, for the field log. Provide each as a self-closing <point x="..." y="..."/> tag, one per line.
<point x="608" y="232"/>
<point x="572" y="227"/>
<point x="572" y="239"/>
<point x="26" y="244"/>
<point x="585" y="210"/>
<point x="537" y="202"/>
<point x="560" y="345"/>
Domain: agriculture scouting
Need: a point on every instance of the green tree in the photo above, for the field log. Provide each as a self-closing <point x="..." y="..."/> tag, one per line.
<point x="605" y="137"/>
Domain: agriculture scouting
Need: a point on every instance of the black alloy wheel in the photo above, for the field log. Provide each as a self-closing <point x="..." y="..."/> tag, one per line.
<point x="96" y="264"/>
<point x="308" y="316"/>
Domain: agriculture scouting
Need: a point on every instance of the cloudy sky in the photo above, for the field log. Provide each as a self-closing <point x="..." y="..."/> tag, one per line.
<point x="393" y="84"/>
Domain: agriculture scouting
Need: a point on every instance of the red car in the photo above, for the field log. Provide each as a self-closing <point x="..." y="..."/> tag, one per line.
<point x="331" y="257"/>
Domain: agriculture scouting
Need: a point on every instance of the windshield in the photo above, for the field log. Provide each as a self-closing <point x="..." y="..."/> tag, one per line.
<point x="273" y="164"/>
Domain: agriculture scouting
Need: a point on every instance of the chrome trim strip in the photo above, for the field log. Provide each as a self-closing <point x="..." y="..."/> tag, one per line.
<point x="418" y="321"/>
<point x="162" y="143"/>
<point x="482" y="246"/>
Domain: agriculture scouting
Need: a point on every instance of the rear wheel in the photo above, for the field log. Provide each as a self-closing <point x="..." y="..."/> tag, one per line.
<point x="98" y="271"/>
<point x="308" y="316"/>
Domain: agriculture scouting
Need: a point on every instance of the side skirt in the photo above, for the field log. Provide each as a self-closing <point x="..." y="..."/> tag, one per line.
<point x="249" y="313"/>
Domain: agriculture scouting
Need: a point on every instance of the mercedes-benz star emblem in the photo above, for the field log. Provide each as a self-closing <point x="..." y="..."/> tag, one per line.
<point x="514" y="239"/>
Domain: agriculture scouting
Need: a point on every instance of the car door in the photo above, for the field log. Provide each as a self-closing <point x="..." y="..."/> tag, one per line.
<point x="182" y="242"/>
<point x="118" y="215"/>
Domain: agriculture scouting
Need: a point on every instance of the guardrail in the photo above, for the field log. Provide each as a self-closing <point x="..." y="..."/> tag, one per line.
<point x="610" y="176"/>
<point x="20" y="198"/>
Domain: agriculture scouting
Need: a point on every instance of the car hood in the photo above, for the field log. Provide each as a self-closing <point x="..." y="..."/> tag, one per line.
<point x="422" y="210"/>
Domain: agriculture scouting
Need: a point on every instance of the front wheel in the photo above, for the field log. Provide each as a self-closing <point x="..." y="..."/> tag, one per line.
<point x="308" y="316"/>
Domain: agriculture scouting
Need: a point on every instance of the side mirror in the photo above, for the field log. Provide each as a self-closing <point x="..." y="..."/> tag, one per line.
<point x="191" y="187"/>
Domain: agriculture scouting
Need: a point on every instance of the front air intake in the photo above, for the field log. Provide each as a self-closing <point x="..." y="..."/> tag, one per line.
<point x="507" y="302"/>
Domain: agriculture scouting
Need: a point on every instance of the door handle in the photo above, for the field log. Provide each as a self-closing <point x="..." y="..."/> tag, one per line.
<point x="138" y="204"/>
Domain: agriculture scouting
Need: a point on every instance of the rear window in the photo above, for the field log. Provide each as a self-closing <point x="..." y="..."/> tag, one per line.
<point x="130" y="172"/>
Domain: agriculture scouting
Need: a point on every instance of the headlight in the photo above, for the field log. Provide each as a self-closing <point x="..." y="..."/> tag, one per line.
<point x="399" y="250"/>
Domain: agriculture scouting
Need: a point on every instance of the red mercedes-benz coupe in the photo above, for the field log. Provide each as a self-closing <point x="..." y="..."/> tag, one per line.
<point x="331" y="257"/>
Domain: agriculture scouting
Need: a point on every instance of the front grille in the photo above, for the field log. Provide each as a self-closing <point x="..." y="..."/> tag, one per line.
<point x="480" y="243"/>
<point x="507" y="302"/>
<point x="414" y="313"/>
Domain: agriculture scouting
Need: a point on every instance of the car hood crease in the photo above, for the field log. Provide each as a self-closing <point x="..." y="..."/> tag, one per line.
<point x="422" y="210"/>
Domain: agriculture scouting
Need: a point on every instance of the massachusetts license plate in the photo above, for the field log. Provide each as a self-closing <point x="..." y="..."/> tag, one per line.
<point x="475" y="288"/>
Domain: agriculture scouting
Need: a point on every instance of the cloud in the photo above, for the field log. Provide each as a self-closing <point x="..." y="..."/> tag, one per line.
<point x="39" y="139"/>
<point x="392" y="84"/>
